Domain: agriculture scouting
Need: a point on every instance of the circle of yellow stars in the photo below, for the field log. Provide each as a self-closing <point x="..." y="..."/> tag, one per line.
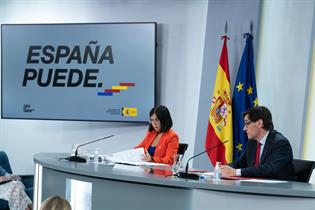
<point x="249" y="91"/>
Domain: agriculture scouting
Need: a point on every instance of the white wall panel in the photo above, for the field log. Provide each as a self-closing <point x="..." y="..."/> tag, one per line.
<point x="180" y="36"/>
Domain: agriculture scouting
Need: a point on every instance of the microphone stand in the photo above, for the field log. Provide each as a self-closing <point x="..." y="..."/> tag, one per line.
<point x="186" y="174"/>
<point x="78" y="159"/>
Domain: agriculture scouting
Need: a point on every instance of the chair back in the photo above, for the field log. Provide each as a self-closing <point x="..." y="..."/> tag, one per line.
<point x="182" y="148"/>
<point x="303" y="169"/>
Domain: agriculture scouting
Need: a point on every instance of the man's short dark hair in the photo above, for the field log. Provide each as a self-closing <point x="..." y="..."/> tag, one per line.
<point x="260" y="112"/>
<point x="164" y="117"/>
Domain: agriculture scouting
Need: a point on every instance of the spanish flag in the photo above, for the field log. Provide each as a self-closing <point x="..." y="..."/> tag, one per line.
<point x="220" y="127"/>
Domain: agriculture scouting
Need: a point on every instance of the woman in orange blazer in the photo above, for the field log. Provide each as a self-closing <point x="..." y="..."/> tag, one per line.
<point x="160" y="142"/>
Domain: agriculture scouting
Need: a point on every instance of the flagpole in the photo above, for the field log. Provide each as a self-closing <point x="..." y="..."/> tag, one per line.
<point x="225" y="31"/>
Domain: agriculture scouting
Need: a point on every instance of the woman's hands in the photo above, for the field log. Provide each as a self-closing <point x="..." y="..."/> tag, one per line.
<point x="147" y="157"/>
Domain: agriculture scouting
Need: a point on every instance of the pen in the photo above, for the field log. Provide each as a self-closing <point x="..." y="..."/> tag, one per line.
<point x="128" y="164"/>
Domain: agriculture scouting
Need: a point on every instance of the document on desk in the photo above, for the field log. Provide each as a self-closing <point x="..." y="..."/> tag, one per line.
<point x="132" y="157"/>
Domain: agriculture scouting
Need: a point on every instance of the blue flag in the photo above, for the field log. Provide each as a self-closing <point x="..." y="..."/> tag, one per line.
<point x="244" y="96"/>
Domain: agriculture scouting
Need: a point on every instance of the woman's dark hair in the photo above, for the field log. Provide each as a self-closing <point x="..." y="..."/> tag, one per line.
<point x="164" y="117"/>
<point x="260" y="112"/>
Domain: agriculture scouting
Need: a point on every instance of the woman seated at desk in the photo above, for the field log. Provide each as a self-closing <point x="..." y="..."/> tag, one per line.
<point x="160" y="142"/>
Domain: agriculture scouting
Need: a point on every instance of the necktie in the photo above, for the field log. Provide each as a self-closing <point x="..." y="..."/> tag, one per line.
<point x="256" y="163"/>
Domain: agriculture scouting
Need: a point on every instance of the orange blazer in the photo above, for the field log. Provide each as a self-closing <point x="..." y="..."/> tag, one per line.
<point x="165" y="149"/>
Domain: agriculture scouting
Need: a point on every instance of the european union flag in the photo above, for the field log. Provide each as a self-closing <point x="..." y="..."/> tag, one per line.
<point x="244" y="96"/>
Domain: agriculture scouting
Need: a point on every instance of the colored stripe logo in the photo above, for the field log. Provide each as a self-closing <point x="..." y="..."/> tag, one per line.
<point x="117" y="89"/>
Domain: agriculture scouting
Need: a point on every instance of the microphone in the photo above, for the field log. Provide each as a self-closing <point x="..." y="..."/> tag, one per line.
<point x="78" y="159"/>
<point x="187" y="175"/>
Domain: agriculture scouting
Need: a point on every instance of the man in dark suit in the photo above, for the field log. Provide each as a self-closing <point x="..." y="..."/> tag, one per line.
<point x="268" y="154"/>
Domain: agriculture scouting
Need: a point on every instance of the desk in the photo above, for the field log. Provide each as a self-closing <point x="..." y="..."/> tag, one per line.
<point x="116" y="187"/>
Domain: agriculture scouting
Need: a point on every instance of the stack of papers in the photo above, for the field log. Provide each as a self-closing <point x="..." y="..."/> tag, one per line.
<point x="131" y="157"/>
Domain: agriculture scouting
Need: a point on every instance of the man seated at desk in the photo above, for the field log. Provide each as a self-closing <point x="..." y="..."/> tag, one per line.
<point x="268" y="153"/>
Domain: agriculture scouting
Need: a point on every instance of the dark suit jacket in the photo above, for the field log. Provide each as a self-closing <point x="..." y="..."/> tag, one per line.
<point x="276" y="161"/>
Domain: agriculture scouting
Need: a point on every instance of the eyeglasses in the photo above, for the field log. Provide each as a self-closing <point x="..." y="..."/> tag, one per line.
<point x="247" y="123"/>
<point x="156" y="120"/>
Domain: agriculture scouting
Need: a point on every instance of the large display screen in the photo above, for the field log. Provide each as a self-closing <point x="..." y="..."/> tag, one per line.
<point x="93" y="71"/>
